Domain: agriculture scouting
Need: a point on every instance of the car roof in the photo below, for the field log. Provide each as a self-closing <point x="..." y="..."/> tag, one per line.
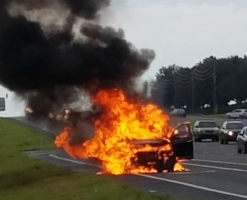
<point x="240" y="122"/>
<point x="205" y="120"/>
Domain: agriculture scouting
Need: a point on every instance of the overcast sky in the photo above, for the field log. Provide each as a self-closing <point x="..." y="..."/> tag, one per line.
<point x="183" y="32"/>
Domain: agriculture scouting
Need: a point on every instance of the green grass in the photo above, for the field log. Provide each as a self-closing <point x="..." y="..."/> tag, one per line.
<point x="23" y="178"/>
<point x="223" y="116"/>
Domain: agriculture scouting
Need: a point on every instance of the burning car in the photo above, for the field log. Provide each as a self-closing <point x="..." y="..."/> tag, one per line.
<point x="161" y="157"/>
<point x="130" y="136"/>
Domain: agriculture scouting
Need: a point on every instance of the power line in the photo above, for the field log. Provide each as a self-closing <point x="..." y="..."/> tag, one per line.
<point x="201" y="71"/>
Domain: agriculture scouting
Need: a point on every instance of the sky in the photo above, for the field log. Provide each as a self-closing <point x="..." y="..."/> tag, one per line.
<point x="181" y="32"/>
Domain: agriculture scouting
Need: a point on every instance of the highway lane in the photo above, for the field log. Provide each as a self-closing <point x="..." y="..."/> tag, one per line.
<point x="217" y="172"/>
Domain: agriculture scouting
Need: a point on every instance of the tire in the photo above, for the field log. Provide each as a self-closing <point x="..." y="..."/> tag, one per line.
<point x="221" y="140"/>
<point x="226" y="141"/>
<point x="244" y="150"/>
<point x="160" y="169"/>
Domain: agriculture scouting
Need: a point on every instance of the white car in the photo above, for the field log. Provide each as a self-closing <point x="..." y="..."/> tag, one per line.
<point x="237" y="114"/>
<point x="178" y="113"/>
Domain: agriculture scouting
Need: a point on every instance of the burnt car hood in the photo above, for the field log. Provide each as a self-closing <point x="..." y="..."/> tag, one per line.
<point x="151" y="142"/>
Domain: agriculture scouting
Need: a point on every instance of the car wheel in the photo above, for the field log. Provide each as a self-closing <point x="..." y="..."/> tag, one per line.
<point x="221" y="140"/>
<point x="226" y="141"/>
<point x="244" y="150"/>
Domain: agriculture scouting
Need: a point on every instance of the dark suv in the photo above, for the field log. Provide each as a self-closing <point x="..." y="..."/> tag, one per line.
<point x="230" y="130"/>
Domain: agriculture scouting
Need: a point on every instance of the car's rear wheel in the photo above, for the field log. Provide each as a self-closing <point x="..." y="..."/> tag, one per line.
<point x="239" y="150"/>
<point x="221" y="140"/>
<point x="244" y="150"/>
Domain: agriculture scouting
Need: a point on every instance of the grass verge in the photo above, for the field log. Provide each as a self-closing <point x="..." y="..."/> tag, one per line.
<point x="222" y="116"/>
<point x="24" y="178"/>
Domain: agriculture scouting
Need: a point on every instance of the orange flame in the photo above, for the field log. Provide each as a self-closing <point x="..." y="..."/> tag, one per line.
<point x="122" y="121"/>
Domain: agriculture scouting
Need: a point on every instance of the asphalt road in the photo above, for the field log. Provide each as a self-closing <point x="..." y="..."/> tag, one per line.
<point x="216" y="172"/>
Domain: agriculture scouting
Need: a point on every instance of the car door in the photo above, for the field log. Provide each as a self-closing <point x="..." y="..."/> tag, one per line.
<point x="182" y="142"/>
<point x="240" y="137"/>
<point x="236" y="113"/>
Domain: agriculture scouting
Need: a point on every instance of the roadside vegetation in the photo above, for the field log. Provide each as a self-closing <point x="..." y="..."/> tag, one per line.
<point x="200" y="87"/>
<point x="222" y="116"/>
<point x="24" y="178"/>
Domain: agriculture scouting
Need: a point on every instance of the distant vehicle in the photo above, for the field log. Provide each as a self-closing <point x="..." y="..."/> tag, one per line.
<point x="237" y="114"/>
<point x="206" y="129"/>
<point x="178" y="113"/>
<point x="242" y="141"/>
<point x="230" y="130"/>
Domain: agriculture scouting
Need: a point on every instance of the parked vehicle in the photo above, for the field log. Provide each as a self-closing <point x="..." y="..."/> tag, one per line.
<point x="178" y="113"/>
<point x="206" y="129"/>
<point x="237" y="114"/>
<point x="242" y="141"/>
<point x="230" y="130"/>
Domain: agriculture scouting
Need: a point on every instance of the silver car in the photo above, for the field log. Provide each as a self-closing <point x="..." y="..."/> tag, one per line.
<point x="206" y="129"/>
<point x="242" y="141"/>
<point x="237" y="114"/>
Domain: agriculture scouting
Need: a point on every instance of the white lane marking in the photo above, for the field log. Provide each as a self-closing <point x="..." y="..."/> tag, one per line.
<point x="194" y="186"/>
<point x="220" y="162"/>
<point x="200" y="172"/>
<point x="158" y="178"/>
<point x="216" y="167"/>
<point x="73" y="161"/>
<point x="84" y="163"/>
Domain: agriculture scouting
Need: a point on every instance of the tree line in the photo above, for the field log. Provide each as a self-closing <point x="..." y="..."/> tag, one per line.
<point x="208" y="86"/>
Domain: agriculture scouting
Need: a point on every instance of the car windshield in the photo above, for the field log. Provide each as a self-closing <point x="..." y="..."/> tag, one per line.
<point x="207" y="124"/>
<point x="234" y="126"/>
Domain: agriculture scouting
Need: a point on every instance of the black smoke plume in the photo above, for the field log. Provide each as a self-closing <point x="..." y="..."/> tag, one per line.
<point x="47" y="68"/>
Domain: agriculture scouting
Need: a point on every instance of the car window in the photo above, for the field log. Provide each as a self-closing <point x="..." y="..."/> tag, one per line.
<point x="207" y="124"/>
<point x="234" y="126"/>
<point x="237" y="111"/>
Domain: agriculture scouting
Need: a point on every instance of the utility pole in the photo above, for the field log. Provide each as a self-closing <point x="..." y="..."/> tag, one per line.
<point x="215" y="91"/>
<point x="193" y="92"/>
